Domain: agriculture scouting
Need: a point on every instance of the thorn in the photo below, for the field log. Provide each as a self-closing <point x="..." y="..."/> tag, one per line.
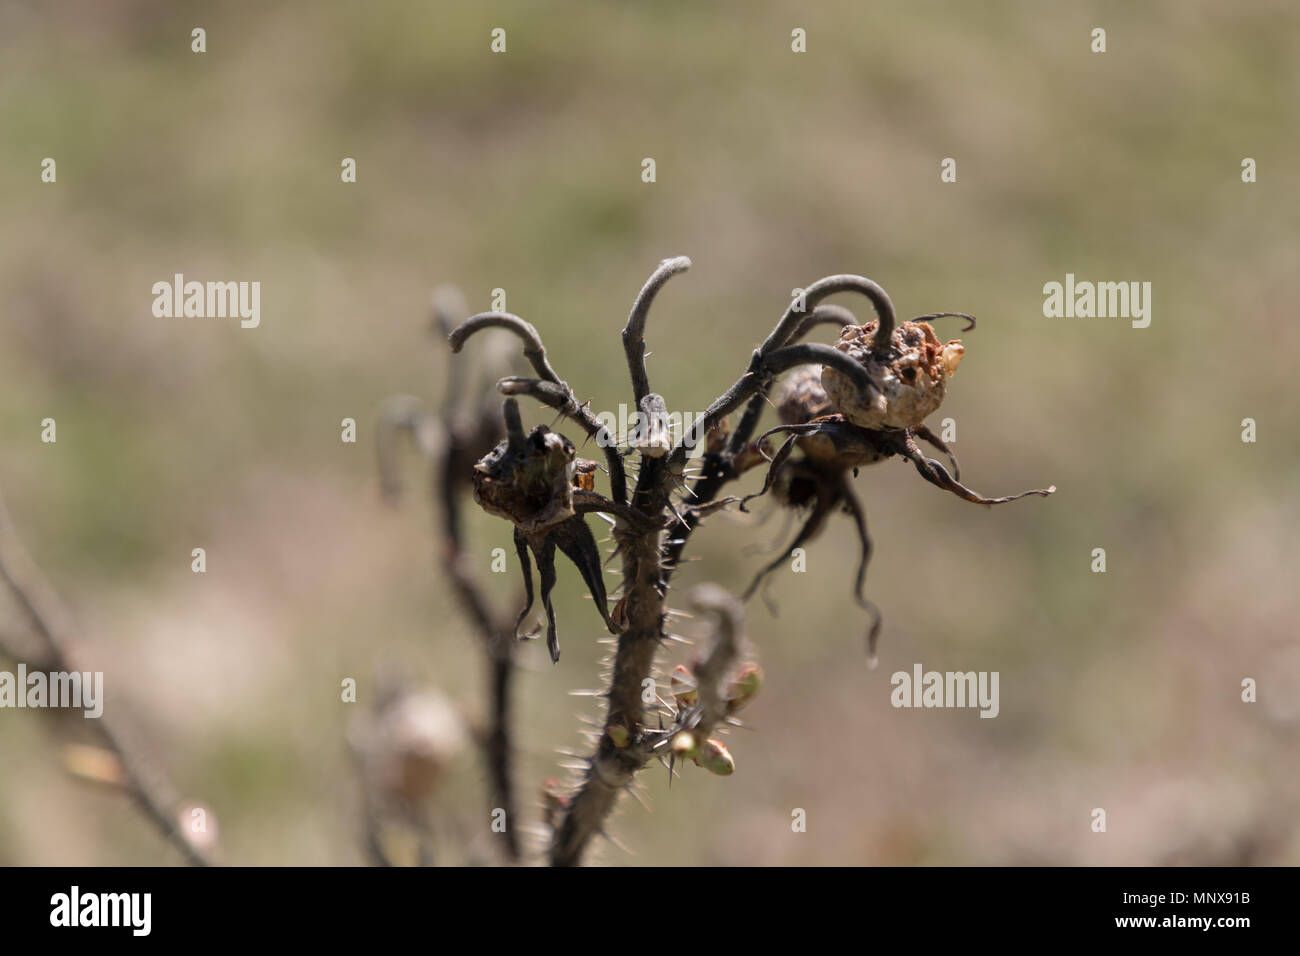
<point x="616" y="843"/>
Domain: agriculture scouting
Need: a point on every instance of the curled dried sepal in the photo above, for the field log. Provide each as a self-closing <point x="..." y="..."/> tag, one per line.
<point x="911" y="376"/>
<point x="936" y="474"/>
<point x="575" y="539"/>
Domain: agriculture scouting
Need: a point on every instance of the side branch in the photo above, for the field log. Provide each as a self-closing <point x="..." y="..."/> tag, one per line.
<point x="761" y="370"/>
<point x="729" y="615"/>
<point x="534" y="351"/>
<point x="828" y="314"/>
<point x="785" y="329"/>
<point x="634" y="332"/>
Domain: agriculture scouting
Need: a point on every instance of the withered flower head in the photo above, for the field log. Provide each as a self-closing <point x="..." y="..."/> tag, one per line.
<point x="800" y="396"/>
<point x="529" y="480"/>
<point x="911" y="377"/>
<point x="840" y="429"/>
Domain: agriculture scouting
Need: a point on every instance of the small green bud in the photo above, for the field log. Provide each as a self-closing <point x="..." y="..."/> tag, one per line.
<point x="743" y="687"/>
<point x="715" y="758"/>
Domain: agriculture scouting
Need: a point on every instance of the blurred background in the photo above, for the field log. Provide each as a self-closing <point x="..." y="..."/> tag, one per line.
<point x="522" y="171"/>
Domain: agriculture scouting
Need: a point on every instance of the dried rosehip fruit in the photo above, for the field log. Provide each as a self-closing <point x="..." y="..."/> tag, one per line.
<point x="911" y="377"/>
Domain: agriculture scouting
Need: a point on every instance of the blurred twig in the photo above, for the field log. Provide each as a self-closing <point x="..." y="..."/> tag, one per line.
<point x="452" y="441"/>
<point x="51" y="622"/>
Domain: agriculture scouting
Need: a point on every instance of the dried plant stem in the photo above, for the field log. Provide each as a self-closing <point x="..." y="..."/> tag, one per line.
<point x="790" y="323"/>
<point x="634" y="333"/>
<point x="612" y="768"/>
<point x="651" y="530"/>
<point x="498" y="640"/>
<point x="51" y="622"/>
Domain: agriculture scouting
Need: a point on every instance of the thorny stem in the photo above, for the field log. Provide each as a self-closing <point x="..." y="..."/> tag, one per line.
<point x="645" y="573"/>
<point x="641" y="522"/>
<point x="151" y="791"/>
<point x="611" y="769"/>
